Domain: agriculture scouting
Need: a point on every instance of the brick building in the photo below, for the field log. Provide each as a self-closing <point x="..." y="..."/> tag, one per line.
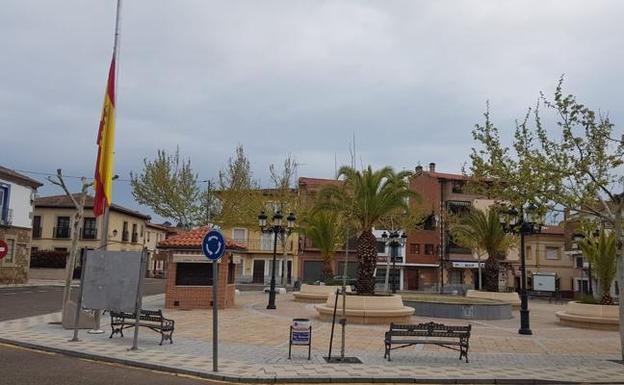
<point x="432" y="258"/>
<point x="189" y="272"/>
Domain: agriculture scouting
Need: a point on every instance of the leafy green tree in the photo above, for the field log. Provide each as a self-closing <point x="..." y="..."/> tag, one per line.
<point x="574" y="165"/>
<point x="482" y="232"/>
<point x="365" y="197"/>
<point x="325" y="230"/>
<point x="168" y="185"/>
<point x="601" y="252"/>
<point x="239" y="195"/>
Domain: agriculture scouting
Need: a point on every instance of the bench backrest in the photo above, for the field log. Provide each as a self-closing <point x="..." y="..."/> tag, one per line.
<point x="145" y="315"/>
<point x="429" y="329"/>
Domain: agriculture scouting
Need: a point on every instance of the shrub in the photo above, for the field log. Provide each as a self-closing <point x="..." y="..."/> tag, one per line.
<point x="48" y="258"/>
<point x="588" y="300"/>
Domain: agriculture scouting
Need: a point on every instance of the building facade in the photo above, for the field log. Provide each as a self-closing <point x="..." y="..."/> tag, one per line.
<point x="129" y="230"/>
<point x="17" y="193"/>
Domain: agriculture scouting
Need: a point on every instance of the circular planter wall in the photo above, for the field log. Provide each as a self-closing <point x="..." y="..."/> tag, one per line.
<point x="508" y="297"/>
<point x="316" y="293"/>
<point x="363" y="309"/>
<point x="480" y="310"/>
<point x="589" y="316"/>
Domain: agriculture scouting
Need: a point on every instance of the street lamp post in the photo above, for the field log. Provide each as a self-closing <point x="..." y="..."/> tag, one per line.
<point x="277" y="229"/>
<point x="394" y="241"/>
<point x="526" y="221"/>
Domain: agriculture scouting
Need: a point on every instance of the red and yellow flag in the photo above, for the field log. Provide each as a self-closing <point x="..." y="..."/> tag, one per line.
<point x="106" y="144"/>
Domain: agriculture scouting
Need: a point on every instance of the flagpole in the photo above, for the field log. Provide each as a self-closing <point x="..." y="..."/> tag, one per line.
<point x="106" y="216"/>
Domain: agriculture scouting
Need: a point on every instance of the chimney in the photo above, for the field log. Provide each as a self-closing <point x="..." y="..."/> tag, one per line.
<point x="431" y="167"/>
<point x="419" y="170"/>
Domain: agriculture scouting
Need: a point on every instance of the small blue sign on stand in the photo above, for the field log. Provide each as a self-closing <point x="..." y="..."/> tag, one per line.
<point x="213" y="245"/>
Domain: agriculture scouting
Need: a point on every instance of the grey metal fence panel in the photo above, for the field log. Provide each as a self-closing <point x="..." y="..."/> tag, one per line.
<point x="111" y="280"/>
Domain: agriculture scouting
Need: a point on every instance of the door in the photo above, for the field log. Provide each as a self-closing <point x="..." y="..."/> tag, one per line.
<point x="258" y="271"/>
<point x="475" y="279"/>
<point x="411" y="278"/>
<point x="289" y="272"/>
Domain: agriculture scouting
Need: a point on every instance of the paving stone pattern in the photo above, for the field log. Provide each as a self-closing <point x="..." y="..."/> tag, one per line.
<point x="254" y="345"/>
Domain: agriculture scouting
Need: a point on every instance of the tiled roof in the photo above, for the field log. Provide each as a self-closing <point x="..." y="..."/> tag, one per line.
<point x="318" y="181"/>
<point x="192" y="239"/>
<point x="16" y="177"/>
<point x="63" y="201"/>
<point x="448" y="176"/>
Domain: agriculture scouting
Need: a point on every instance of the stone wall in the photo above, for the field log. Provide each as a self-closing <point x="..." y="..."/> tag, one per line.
<point x="16" y="272"/>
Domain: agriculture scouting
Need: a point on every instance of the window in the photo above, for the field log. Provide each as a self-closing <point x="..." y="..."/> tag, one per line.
<point x="458" y="187"/>
<point x="194" y="274"/>
<point x="428" y="249"/>
<point x="10" y="257"/>
<point x="89" y="229"/>
<point x="266" y="241"/>
<point x="381" y="247"/>
<point x="142" y="231"/>
<point x="148" y="235"/>
<point x="430" y="222"/>
<point x="414" y="248"/>
<point x="4" y="203"/>
<point x="527" y="252"/>
<point x="552" y="252"/>
<point x="239" y="235"/>
<point x="579" y="262"/>
<point x="36" y="227"/>
<point x="458" y="207"/>
<point x="62" y="228"/>
<point x="135" y="235"/>
<point x="124" y="234"/>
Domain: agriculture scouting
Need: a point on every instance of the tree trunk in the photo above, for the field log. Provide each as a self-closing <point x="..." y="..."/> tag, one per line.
<point x="328" y="270"/>
<point x="367" y="259"/>
<point x="491" y="274"/>
<point x="620" y="271"/>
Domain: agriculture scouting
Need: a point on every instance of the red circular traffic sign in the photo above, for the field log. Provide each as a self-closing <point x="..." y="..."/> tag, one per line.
<point x="4" y="249"/>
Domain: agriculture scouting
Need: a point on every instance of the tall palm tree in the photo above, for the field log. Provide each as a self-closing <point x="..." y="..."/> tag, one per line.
<point x="482" y="232"/>
<point x="324" y="229"/>
<point x="364" y="198"/>
<point x="602" y="253"/>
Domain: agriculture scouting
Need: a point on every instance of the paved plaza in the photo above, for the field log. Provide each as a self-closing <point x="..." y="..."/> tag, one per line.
<point x="254" y="347"/>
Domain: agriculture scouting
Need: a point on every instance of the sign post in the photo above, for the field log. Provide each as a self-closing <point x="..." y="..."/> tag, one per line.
<point x="213" y="246"/>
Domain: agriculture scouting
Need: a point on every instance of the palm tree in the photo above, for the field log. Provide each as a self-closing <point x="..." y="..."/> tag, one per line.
<point x="324" y="229"/>
<point x="482" y="232"/>
<point x="601" y="251"/>
<point x="364" y="198"/>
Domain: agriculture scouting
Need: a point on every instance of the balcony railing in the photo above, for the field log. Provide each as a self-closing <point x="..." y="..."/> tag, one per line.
<point x="62" y="232"/>
<point x="36" y="232"/>
<point x="88" y="233"/>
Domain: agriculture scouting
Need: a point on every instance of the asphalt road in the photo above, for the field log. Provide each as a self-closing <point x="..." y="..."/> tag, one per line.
<point x="30" y="367"/>
<point x="20" y="302"/>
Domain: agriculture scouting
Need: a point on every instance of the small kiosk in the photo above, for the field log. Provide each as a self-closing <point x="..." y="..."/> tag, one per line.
<point x="189" y="272"/>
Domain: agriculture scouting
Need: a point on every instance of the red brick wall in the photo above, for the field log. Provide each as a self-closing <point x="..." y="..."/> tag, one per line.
<point x="428" y="188"/>
<point x="198" y="297"/>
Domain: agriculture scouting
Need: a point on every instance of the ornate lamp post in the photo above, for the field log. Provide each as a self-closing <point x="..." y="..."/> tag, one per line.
<point x="394" y="240"/>
<point x="523" y="222"/>
<point x="277" y="229"/>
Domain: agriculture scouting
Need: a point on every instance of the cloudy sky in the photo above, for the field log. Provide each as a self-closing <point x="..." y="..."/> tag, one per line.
<point x="408" y="78"/>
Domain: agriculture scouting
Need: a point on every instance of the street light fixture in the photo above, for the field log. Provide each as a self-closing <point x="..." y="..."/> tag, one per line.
<point x="394" y="240"/>
<point x="277" y="229"/>
<point x="525" y="221"/>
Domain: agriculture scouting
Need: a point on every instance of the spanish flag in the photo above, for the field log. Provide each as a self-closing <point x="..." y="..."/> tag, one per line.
<point x="106" y="144"/>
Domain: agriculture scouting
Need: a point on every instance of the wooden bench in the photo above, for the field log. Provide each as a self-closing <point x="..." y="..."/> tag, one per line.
<point x="451" y="337"/>
<point x="151" y="319"/>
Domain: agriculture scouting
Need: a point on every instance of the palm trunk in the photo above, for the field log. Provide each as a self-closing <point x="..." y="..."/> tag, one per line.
<point x="367" y="259"/>
<point x="328" y="270"/>
<point x="491" y="274"/>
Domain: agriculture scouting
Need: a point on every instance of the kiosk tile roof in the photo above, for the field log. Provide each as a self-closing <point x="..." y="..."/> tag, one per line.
<point x="192" y="239"/>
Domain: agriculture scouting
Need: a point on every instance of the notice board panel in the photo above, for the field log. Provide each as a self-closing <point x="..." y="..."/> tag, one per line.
<point x="111" y="280"/>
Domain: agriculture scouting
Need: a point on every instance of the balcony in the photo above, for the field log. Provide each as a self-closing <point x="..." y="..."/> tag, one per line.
<point x="89" y="233"/>
<point x="135" y="237"/>
<point x="36" y="234"/>
<point x="62" y="232"/>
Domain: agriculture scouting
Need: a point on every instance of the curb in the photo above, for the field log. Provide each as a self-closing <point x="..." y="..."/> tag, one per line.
<point x="291" y="380"/>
